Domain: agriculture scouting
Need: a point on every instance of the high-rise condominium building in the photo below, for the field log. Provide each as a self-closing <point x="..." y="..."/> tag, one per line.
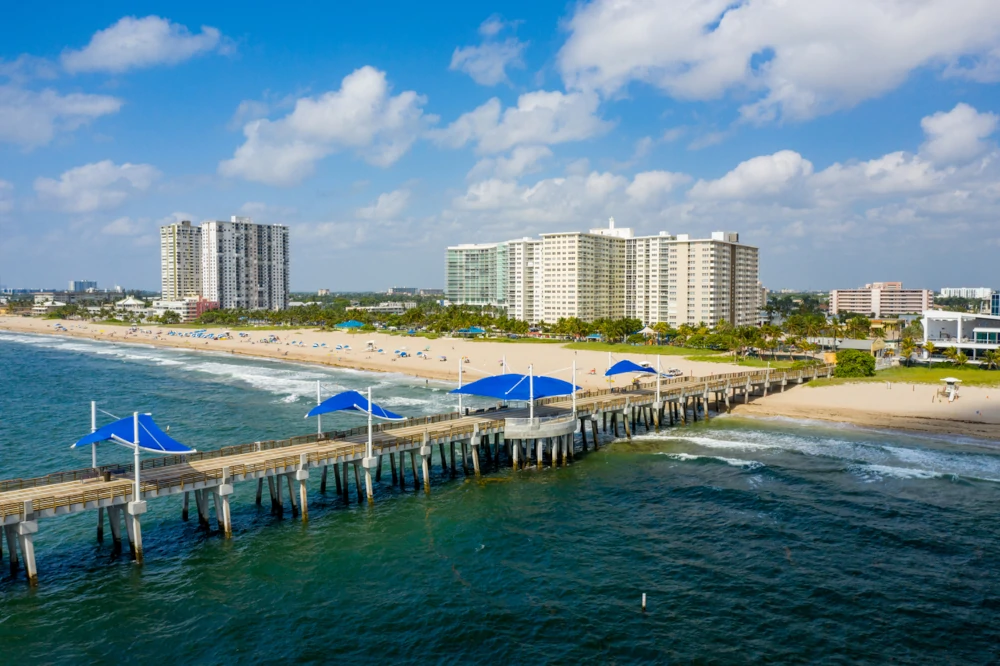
<point x="82" y="285"/>
<point x="612" y="273"/>
<point x="982" y="293"/>
<point x="476" y="274"/>
<point x="245" y="265"/>
<point x="881" y="299"/>
<point x="180" y="261"/>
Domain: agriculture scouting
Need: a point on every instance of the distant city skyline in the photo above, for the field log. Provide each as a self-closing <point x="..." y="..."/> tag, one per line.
<point x="849" y="150"/>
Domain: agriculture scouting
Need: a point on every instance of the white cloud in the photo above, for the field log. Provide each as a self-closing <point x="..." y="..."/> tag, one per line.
<point x="362" y="115"/>
<point x="522" y="160"/>
<point x="135" y="43"/>
<point x="649" y="186"/>
<point x="123" y="226"/>
<point x="766" y="175"/>
<point x="97" y="186"/>
<point x="6" y="196"/>
<point x="29" y="118"/>
<point x="540" y="118"/>
<point x="492" y="26"/>
<point x="800" y="59"/>
<point x="958" y="135"/>
<point x="388" y="206"/>
<point x="27" y="67"/>
<point x="487" y="63"/>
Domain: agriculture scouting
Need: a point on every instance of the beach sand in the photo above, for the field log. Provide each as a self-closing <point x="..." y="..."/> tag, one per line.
<point x="916" y="407"/>
<point x="878" y="405"/>
<point x="484" y="357"/>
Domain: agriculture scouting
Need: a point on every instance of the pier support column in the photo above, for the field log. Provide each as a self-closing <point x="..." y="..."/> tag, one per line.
<point x="279" y="504"/>
<point x="474" y="445"/>
<point x="539" y="452"/>
<point x="704" y="404"/>
<point x="132" y="512"/>
<point x="11" y="546"/>
<point x="302" y="476"/>
<point x="657" y="415"/>
<point x="270" y="489"/>
<point x="291" y="493"/>
<point x="357" y="479"/>
<point x="402" y="471"/>
<point x="392" y="464"/>
<point x="413" y="468"/>
<point x="343" y="474"/>
<point x="425" y="459"/>
<point x="115" y="521"/>
<point x="516" y="451"/>
<point x="369" y="464"/>
<point x="336" y="478"/>
<point x="260" y="490"/>
<point x="625" y="422"/>
<point x="378" y="470"/>
<point x="444" y="461"/>
<point x="465" y="457"/>
<point x="453" y="469"/>
<point x="593" y="431"/>
<point x="322" y="480"/>
<point x="26" y="530"/>
<point x="100" y="520"/>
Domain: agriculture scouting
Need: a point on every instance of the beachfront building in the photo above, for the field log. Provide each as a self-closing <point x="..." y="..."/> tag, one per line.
<point x="245" y="265"/>
<point x="476" y="274"/>
<point x="180" y="260"/>
<point x="611" y="273"/>
<point x="881" y="299"/>
<point x="386" y="307"/>
<point x="188" y="309"/>
<point x="972" y="293"/>
<point x="968" y="332"/>
<point x="524" y="277"/>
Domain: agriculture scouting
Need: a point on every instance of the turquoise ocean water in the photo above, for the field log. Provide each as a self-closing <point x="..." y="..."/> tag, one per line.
<point x="753" y="539"/>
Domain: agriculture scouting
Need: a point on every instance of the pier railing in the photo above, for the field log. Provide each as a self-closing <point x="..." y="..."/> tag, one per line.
<point x="619" y="400"/>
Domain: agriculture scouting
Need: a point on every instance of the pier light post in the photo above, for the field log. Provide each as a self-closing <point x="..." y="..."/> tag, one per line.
<point x="369" y="461"/>
<point x="460" y="361"/>
<point x="93" y="429"/>
<point x="531" y="393"/>
<point x="135" y="454"/>
<point x="574" y="385"/>
<point x="319" y="418"/>
<point x="658" y="377"/>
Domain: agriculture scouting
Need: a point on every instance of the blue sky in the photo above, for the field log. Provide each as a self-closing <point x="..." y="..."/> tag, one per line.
<point x="851" y="140"/>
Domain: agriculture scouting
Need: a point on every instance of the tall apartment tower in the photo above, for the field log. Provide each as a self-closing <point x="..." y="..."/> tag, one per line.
<point x="180" y="260"/>
<point x="610" y="273"/>
<point x="524" y="279"/>
<point x="245" y="265"/>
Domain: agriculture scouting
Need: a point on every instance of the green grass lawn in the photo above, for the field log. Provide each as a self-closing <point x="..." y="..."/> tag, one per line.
<point x="522" y="340"/>
<point x="923" y="375"/>
<point x="747" y="362"/>
<point x="652" y="350"/>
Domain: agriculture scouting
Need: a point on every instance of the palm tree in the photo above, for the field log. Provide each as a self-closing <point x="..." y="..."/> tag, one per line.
<point x="930" y="349"/>
<point x="906" y="348"/>
<point x="992" y="358"/>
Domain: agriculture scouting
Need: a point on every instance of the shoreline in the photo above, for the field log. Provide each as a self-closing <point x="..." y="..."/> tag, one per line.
<point x="484" y="358"/>
<point x="876" y="420"/>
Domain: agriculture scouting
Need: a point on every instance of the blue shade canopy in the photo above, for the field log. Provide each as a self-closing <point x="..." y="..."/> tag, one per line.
<point x="621" y="367"/>
<point x="517" y="387"/>
<point x="122" y="431"/>
<point x="352" y="401"/>
<point x="353" y="323"/>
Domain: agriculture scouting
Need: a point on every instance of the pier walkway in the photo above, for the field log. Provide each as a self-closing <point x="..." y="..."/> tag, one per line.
<point x="483" y="439"/>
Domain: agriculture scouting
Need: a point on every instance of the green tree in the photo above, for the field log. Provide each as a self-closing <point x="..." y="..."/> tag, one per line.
<point x="854" y="363"/>
<point x="906" y="349"/>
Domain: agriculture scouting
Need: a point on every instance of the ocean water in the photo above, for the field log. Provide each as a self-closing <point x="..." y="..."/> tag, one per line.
<point x="752" y="539"/>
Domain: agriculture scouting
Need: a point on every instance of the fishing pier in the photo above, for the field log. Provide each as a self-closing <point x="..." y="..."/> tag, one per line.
<point x="552" y="431"/>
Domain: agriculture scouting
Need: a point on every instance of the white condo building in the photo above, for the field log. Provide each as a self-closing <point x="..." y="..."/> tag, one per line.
<point x="245" y="265"/>
<point x="611" y="273"/>
<point x="180" y="261"/>
<point x="981" y="293"/>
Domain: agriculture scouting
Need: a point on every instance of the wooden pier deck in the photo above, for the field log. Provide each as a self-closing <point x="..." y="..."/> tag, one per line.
<point x="486" y="439"/>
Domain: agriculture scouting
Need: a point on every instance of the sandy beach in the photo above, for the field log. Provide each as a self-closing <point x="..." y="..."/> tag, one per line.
<point x="485" y="358"/>
<point x="976" y="412"/>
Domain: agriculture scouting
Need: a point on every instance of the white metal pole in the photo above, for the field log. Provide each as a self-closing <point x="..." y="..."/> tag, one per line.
<point x="531" y="393"/>
<point x="574" y="384"/>
<point x="460" y="361"/>
<point x="658" y="375"/>
<point x="369" y="454"/>
<point x="93" y="429"/>
<point x="135" y="455"/>
<point x="319" y="418"/>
